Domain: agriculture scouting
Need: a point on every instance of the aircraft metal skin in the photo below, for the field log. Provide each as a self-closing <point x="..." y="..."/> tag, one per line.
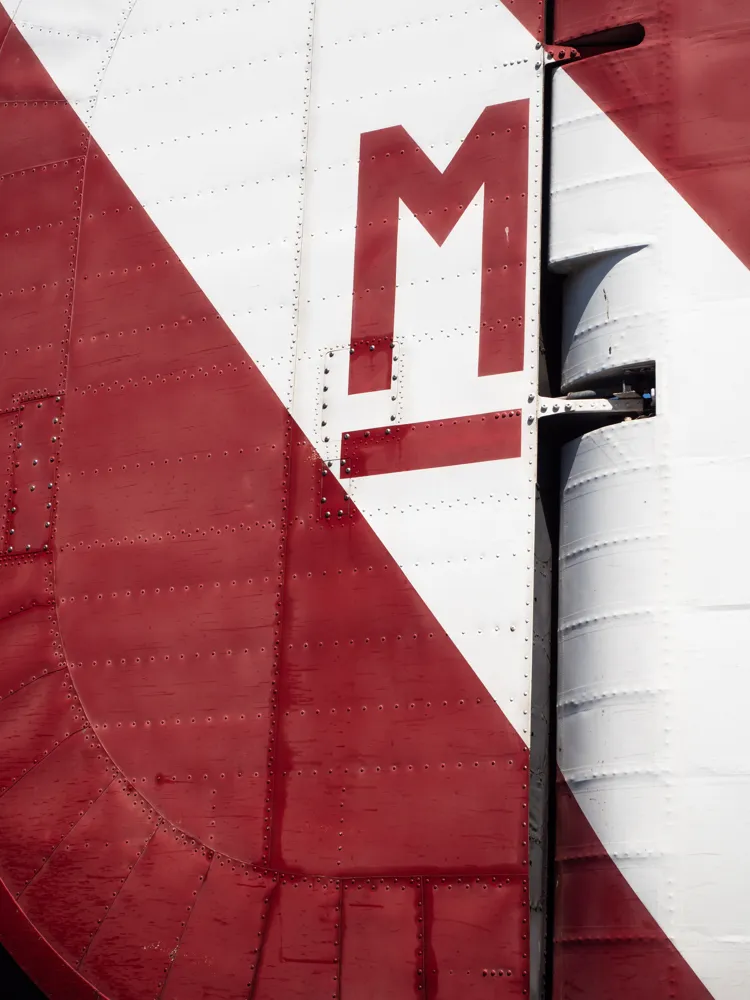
<point x="269" y="406"/>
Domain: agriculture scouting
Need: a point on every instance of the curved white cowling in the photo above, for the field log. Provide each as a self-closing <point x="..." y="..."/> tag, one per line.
<point x="654" y="585"/>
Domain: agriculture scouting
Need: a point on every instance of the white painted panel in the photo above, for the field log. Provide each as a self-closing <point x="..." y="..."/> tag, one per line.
<point x="463" y="535"/>
<point x="238" y="128"/>
<point x="653" y="685"/>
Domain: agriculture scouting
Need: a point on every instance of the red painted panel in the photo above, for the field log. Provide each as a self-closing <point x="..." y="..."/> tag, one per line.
<point x="163" y="323"/>
<point x="477" y="947"/>
<point x="27" y="653"/>
<point x="27" y="632"/>
<point x="25" y="581"/>
<point x="393" y="169"/>
<point x="692" y="121"/>
<point x="219" y="950"/>
<point x="484" y="437"/>
<point x="33" y="722"/>
<point x="40" y="809"/>
<point x="301" y="949"/>
<point x="89" y="865"/>
<point x="386" y="911"/>
<point x="54" y="976"/>
<point x="606" y="943"/>
<point x="195" y="581"/>
<point x="371" y="682"/>
<point x="37" y="133"/>
<point x="574" y="18"/>
<point x="39" y="226"/>
<point x="35" y="474"/>
<point x="131" y="953"/>
<point x="22" y="77"/>
<point x="7" y="447"/>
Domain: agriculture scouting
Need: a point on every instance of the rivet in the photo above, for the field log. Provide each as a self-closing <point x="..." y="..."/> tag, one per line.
<point x="328" y="513"/>
<point x="32" y="488"/>
<point x="387" y="430"/>
<point x="372" y="347"/>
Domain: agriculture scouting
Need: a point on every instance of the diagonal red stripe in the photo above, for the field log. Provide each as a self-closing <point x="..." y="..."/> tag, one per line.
<point x="681" y="96"/>
<point x="270" y="683"/>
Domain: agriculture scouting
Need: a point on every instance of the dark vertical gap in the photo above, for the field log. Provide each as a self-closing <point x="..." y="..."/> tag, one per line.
<point x="549" y="21"/>
<point x="547" y="549"/>
<point x="548" y="535"/>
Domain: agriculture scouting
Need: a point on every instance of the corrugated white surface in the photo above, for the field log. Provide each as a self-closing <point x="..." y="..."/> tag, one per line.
<point x="654" y="591"/>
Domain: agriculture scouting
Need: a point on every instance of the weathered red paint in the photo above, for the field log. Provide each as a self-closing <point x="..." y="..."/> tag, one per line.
<point x="223" y="718"/>
<point x="484" y="437"/>
<point x="392" y="169"/>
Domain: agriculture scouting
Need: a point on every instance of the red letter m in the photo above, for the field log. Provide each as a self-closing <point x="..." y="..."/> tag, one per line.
<point x="393" y="167"/>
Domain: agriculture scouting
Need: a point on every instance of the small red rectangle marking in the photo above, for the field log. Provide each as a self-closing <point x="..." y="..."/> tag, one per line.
<point x="483" y="437"/>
